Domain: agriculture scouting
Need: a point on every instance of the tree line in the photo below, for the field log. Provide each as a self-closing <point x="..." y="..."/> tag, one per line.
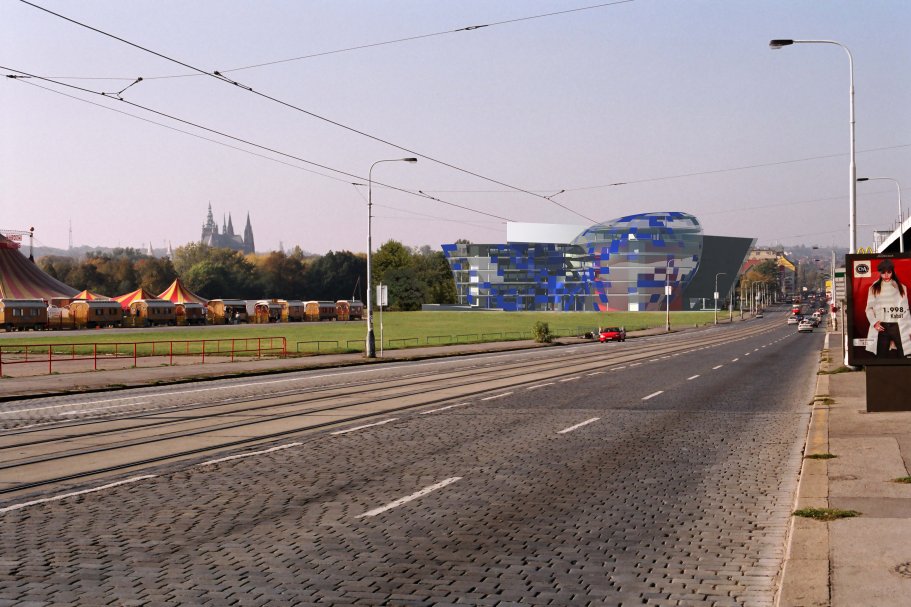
<point x="414" y="275"/>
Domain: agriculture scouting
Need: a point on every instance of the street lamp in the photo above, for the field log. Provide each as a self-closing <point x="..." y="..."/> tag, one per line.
<point x="901" y="218"/>
<point x="852" y="167"/>
<point x="716" y="294"/>
<point x="371" y="342"/>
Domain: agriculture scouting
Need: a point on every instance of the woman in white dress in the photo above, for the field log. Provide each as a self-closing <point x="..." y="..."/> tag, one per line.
<point x="889" y="315"/>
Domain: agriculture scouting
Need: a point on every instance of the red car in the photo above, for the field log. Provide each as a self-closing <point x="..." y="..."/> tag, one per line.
<point x="613" y="334"/>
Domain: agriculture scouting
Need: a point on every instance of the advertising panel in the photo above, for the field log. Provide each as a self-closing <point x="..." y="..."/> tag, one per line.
<point x="879" y="316"/>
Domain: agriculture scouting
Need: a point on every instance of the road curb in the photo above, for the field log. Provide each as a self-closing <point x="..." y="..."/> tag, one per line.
<point x="805" y="577"/>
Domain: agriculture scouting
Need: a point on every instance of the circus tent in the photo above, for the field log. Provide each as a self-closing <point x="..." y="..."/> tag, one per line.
<point x="89" y="296"/>
<point x="127" y="298"/>
<point x="179" y="294"/>
<point x="20" y="278"/>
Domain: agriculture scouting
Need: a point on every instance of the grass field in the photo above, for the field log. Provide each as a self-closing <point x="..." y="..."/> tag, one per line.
<point x="399" y="329"/>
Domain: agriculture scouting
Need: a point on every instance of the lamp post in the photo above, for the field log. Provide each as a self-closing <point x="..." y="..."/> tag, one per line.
<point x="716" y="294"/>
<point x="852" y="167"/>
<point x="667" y="296"/>
<point x="371" y="342"/>
<point x="901" y="218"/>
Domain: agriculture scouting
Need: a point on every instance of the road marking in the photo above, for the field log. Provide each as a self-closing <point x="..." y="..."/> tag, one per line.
<point x="410" y="498"/>
<point x="74" y="493"/>
<point x="747" y="354"/>
<point x="570" y="378"/>
<point x="497" y="396"/>
<point x="693" y="377"/>
<point x="442" y="408"/>
<point x="596" y="373"/>
<point x="585" y="423"/>
<point x="540" y="386"/>
<point x="734" y="360"/>
<point x="635" y="364"/>
<point x="243" y="455"/>
<point x="618" y="368"/>
<point x="385" y="421"/>
<point x="718" y="367"/>
<point x="654" y="360"/>
<point x="654" y="394"/>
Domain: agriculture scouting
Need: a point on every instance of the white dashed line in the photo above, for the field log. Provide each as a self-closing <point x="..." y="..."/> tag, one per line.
<point x="596" y="373"/>
<point x="410" y="498"/>
<point x="385" y="421"/>
<point x="442" y="408"/>
<point x="617" y="368"/>
<point x="635" y="364"/>
<point x="74" y="493"/>
<point x="539" y="386"/>
<point x="497" y="396"/>
<point x="570" y="378"/>
<point x="734" y="360"/>
<point x="718" y="367"/>
<point x="243" y="455"/>
<point x="693" y="377"/>
<point x="585" y="423"/>
<point x="652" y="395"/>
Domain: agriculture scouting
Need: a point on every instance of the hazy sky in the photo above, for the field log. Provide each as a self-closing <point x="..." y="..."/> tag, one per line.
<point x="676" y="99"/>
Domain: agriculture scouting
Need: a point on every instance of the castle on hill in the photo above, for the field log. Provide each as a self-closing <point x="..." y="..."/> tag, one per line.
<point x="226" y="238"/>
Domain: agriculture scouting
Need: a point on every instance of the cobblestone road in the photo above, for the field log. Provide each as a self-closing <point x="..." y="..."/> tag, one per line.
<point x="681" y="499"/>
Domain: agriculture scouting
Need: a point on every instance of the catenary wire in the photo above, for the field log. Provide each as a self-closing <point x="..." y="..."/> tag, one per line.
<point x="241" y="140"/>
<point x="361" y="46"/>
<point x="220" y="77"/>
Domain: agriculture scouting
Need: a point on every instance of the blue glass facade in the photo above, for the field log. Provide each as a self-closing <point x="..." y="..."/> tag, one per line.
<point x="623" y="264"/>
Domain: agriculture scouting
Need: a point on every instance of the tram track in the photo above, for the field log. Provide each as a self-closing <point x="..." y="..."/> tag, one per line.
<point x="32" y="464"/>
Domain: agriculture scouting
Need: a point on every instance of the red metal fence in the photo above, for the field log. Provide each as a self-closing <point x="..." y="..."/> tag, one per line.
<point x="221" y="349"/>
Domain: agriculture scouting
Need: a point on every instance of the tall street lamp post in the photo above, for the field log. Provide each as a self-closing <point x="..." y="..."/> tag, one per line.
<point x="852" y="167"/>
<point x="371" y="342"/>
<point x="716" y="294"/>
<point x="901" y="218"/>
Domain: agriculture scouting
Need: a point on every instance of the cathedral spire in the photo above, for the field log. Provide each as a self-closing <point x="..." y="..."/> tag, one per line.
<point x="249" y="247"/>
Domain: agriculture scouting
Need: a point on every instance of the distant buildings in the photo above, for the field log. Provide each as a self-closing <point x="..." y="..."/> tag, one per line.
<point x="227" y="239"/>
<point x="625" y="264"/>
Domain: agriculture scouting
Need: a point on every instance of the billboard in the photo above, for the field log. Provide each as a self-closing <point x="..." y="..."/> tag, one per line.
<point x="878" y="313"/>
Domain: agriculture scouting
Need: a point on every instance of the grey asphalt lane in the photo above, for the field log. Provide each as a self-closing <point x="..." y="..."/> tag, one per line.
<point x="575" y="493"/>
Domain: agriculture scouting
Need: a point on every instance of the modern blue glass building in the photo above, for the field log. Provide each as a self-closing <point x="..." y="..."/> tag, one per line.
<point x="625" y="264"/>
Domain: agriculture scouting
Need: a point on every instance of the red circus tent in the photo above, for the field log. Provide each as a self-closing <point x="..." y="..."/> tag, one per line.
<point x="126" y="299"/>
<point x="21" y="278"/>
<point x="179" y="294"/>
<point x="89" y="296"/>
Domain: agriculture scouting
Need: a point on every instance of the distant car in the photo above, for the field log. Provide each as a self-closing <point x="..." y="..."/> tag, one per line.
<point x="805" y="326"/>
<point x="758" y="314"/>
<point x="612" y="334"/>
<point x="793" y="320"/>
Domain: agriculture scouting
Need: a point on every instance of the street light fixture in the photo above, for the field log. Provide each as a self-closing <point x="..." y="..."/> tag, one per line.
<point x="901" y="218"/>
<point x="852" y="167"/>
<point x="371" y="342"/>
<point x="716" y="294"/>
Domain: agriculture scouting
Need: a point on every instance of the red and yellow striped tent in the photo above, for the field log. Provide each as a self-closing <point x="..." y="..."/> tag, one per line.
<point x="127" y="298"/>
<point x="20" y="278"/>
<point x="89" y="296"/>
<point x="179" y="294"/>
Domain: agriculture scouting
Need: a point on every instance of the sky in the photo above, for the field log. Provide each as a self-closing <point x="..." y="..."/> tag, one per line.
<point x="548" y="114"/>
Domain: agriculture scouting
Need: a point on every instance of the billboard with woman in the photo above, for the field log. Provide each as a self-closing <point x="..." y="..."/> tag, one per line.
<point x="879" y="315"/>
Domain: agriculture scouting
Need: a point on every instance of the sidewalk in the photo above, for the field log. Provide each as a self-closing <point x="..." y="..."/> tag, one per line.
<point x="865" y="560"/>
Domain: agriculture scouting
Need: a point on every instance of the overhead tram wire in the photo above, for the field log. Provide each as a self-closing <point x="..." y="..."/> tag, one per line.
<point x="222" y="78"/>
<point x="241" y="140"/>
<point x="362" y="46"/>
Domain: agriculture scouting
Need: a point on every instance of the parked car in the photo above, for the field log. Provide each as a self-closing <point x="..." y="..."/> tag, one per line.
<point x="805" y="326"/>
<point x="612" y="334"/>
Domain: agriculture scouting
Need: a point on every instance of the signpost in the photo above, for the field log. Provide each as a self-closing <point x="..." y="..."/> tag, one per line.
<point x="382" y="299"/>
